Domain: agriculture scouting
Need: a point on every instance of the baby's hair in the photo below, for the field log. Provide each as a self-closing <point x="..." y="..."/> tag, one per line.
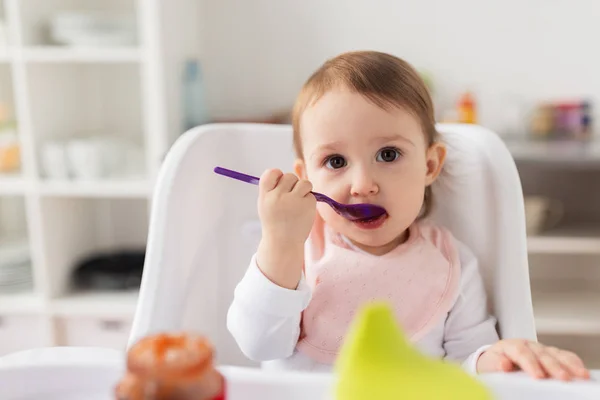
<point x="383" y="79"/>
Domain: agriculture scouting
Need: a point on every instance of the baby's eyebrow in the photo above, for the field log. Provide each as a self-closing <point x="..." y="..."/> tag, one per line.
<point x="327" y="147"/>
<point x="391" y="138"/>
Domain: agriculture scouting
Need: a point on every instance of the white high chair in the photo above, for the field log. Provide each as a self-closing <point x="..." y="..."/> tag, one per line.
<point x="204" y="227"/>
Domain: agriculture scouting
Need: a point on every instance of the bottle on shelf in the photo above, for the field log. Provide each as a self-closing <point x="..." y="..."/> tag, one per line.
<point x="10" y="154"/>
<point x="194" y="103"/>
<point x="541" y="121"/>
<point x="586" y="119"/>
<point x="467" y="110"/>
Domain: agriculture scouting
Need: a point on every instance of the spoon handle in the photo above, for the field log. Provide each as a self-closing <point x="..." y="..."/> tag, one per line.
<point x="323" y="198"/>
<point x="254" y="180"/>
<point x="237" y="175"/>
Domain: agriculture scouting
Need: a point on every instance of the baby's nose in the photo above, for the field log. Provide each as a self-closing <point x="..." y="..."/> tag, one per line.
<point x="364" y="185"/>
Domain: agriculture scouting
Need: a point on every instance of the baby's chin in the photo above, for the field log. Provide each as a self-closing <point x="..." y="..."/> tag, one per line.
<point x="388" y="236"/>
<point x="373" y="240"/>
<point x="385" y="236"/>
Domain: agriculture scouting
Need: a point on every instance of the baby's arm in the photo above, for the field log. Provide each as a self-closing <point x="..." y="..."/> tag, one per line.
<point x="264" y="318"/>
<point x="470" y="329"/>
<point x="470" y="337"/>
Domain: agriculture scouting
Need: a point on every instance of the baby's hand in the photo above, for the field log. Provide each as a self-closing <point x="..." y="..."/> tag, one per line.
<point x="287" y="211"/>
<point x="535" y="359"/>
<point x="286" y="207"/>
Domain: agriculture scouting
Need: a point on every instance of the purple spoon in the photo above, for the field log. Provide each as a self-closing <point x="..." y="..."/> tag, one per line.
<point x="352" y="212"/>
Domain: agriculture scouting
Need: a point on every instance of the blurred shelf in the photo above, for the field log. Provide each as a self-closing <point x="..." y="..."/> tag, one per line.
<point x="555" y="151"/>
<point x="571" y="313"/>
<point x="21" y="302"/>
<point x="15" y="248"/>
<point x="67" y="90"/>
<point x="96" y="304"/>
<point x="567" y="240"/>
<point x="96" y="189"/>
<point x="12" y="185"/>
<point x="56" y="54"/>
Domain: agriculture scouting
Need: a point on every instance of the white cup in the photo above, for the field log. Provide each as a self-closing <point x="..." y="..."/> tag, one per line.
<point x="134" y="164"/>
<point x="115" y="155"/>
<point x="86" y="159"/>
<point x="54" y="160"/>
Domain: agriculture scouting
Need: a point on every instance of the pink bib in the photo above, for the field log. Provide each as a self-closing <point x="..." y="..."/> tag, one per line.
<point x="420" y="279"/>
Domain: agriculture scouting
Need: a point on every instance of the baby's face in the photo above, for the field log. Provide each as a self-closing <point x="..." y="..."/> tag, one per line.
<point x="356" y="152"/>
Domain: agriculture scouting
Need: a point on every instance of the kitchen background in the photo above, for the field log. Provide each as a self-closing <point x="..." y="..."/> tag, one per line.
<point x="93" y="93"/>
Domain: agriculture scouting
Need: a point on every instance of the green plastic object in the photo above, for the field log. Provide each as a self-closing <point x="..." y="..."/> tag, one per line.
<point x="377" y="362"/>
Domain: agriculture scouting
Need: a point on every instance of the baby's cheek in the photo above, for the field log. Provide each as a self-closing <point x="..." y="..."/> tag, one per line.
<point x="330" y="217"/>
<point x="324" y="210"/>
<point x="411" y="202"/>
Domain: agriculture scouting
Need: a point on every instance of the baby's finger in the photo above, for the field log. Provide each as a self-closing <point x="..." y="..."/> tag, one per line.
<point x="269" y="179"/>
<point x="571" y="362"/>
<point x="505" y="364"/>
<point x="287" y="183"/>
<point x="525" y="358"/>
<point x="303" y="187"/>
<point x="554" y="368"/>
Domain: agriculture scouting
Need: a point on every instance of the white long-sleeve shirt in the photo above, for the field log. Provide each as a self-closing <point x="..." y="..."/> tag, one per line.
<point x="265" y="318"/>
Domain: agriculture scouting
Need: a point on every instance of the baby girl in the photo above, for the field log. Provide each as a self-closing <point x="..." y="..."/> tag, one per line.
<point x="364" y="132"/>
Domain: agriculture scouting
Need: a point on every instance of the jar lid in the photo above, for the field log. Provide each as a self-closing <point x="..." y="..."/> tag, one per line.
<point x="165" y="357"/>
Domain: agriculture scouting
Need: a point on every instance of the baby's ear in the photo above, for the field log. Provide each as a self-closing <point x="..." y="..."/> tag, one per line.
<point x="300" y="168"/>
<point x="436" y="156"/>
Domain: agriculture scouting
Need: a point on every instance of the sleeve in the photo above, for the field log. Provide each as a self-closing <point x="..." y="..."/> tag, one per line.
<point x="469" y="329"/>
<point x="264" y="318"/>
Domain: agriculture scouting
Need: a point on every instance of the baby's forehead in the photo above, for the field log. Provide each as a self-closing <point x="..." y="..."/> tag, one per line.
<point x="348" y="110"/>
<point x="351" y="121"/>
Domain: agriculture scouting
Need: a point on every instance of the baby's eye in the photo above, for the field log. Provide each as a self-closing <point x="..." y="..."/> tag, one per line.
<point x="388" y="155"/>
<point x="336" y="162"/>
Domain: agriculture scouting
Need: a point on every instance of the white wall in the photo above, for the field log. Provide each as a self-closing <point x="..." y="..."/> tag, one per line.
<point x="512" y="52"/>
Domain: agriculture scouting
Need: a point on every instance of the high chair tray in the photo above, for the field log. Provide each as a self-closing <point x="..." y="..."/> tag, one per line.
<point x="91" y="374"/>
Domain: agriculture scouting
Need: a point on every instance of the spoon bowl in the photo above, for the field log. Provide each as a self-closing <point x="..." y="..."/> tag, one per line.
<point x="352" y="212"/>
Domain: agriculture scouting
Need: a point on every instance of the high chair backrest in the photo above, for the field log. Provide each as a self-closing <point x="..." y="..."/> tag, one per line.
<point x="204" y="228"/>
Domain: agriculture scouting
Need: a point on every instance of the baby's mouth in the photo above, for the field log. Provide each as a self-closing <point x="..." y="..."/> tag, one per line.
<point x="371" y="222"/>
<point x="371" y="219"/>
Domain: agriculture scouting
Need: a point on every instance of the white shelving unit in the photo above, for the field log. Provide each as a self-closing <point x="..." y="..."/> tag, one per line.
<point x="62" y="92"/>
<point x="573" y="240"/>
<point x="561" y="151"/>
<point x="568" y="313"/>
<point x="37" y="54"/>
<point x="565" y="260"/>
